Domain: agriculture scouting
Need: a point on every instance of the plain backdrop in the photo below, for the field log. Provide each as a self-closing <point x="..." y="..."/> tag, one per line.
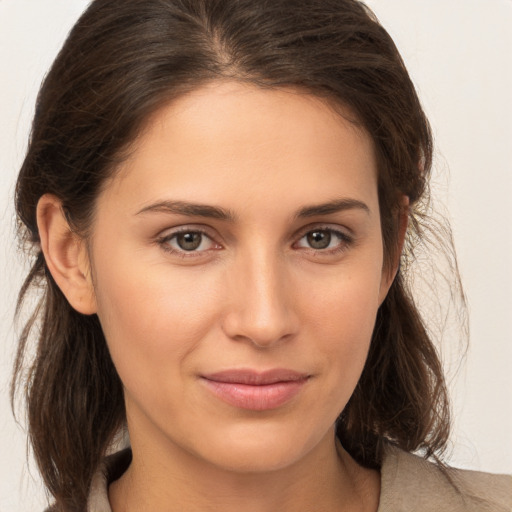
<point x="459" y="54"/>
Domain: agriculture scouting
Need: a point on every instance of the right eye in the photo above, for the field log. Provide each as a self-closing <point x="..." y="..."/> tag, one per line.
<point x="187" y="242"/>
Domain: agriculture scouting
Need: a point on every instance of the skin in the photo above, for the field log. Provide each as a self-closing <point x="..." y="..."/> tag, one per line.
<point x="255" y="294"/>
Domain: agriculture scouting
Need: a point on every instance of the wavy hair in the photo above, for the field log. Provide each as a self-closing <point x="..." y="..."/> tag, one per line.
<point x="122" y="61"/>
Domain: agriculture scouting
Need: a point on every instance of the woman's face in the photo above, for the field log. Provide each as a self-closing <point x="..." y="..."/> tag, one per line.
<point x="238" y="268"/>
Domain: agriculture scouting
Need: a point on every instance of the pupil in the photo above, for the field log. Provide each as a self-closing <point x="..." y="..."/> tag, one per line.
<point x="189" y="241"/>
<point x="319" y="239"/>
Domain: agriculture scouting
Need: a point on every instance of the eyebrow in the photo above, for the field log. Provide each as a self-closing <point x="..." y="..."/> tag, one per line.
<point x="331" y="207"/>
<point x="215" y="212"/>
<point x="189" y="209"/>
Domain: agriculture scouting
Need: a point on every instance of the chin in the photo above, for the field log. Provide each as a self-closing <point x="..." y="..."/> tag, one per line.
<point x="259" y="448"/>
<point x="256" y="458"/>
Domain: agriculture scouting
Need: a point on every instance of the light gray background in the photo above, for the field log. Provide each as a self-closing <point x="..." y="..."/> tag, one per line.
<point x="459" y="53"/>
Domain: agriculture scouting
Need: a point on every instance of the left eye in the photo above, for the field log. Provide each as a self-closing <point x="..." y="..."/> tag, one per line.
<point x="321" y="239"/>
<point x="188" y="241"/>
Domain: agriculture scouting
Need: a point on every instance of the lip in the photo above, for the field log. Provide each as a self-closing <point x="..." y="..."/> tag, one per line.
<point x="255" y="390"/>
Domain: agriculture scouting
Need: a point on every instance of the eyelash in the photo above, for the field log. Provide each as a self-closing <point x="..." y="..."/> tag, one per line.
<point x="163" y="242"/>
<point x="345" y="241"/>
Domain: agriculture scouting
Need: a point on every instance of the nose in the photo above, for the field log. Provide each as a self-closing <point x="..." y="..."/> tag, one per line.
<point x="260" y="306"/>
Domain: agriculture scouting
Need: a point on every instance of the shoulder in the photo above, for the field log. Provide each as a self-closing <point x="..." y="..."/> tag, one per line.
<point x="409" y="482"/>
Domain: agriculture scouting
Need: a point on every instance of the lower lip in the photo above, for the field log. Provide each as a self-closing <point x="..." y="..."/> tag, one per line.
<point x="255" y="398"/>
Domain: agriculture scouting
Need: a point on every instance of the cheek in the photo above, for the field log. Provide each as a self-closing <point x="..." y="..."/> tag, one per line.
<point x="151" y="315"/>
<point x="342" y="318"/>
<point x="346" y="311"/>
<point x="345" y="302"/>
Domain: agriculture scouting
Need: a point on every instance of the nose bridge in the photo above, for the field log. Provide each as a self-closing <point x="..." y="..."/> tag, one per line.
<point x="261" y="309"/>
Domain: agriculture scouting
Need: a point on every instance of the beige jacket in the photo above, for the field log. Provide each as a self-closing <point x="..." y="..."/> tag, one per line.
<point x="408" y="484"/>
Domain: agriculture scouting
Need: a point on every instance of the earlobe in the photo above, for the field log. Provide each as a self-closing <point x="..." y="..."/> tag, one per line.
<point x="65" y="254"/>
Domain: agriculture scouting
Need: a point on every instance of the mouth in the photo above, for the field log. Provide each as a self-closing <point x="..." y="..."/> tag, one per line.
<point x="253" y="390"/>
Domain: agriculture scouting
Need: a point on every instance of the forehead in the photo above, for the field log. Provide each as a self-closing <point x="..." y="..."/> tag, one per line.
<point x="229" y="136"/>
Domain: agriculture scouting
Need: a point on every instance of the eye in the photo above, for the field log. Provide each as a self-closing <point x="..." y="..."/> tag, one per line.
<point x="324" y="239"/>
<point x="187" y="241"/>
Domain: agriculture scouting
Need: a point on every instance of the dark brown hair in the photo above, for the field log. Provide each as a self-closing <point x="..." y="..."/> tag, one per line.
<point x="122" y="61"/>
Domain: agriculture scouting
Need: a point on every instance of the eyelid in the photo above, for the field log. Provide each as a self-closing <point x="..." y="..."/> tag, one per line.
<point x="166" y="235"/>
<point x="185" y="228"/>
<point x="345" y="235"/>
<point x="343" y="231"/>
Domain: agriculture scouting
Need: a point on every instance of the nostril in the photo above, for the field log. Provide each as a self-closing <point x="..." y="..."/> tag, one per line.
<point x="263" y="332"/>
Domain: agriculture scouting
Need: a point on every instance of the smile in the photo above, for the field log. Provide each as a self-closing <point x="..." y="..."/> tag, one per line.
<point x="248" y="389"/>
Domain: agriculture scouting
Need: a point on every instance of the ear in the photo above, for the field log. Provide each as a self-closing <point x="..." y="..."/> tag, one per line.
<point x="66" y="255"/>
<point x="389" y="273"/>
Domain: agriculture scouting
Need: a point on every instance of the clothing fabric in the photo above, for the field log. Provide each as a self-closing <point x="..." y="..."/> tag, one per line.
<point x="412" y="484"/>
<point x="408" y="484"/>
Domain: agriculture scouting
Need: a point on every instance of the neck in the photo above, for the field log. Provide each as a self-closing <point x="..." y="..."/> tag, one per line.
<point x="326" y="479"/>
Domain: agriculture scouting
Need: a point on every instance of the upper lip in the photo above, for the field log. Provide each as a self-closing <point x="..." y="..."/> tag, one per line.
<point x="255" y="377"/>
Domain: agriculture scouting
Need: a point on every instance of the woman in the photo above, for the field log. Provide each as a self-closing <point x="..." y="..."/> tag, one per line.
<point x="219" y="194"/>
